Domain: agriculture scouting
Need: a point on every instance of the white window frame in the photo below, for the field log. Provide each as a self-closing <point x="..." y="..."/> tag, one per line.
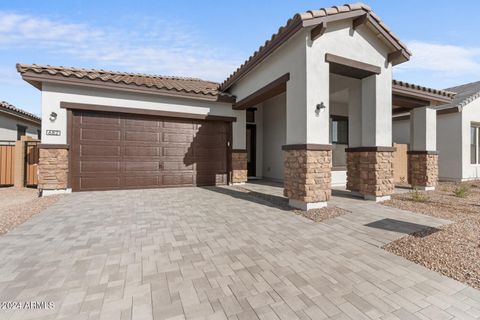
<point x="477" y="149"/>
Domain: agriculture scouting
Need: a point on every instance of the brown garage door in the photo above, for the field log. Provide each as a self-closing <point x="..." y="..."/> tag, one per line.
<point x="123" y="151"/>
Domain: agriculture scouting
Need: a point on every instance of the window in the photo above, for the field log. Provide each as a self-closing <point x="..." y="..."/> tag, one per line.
<point x="39" y="134"/>
<point x="21" y="131"/>
<point x="339" y="130"/>
<point x="474" y="144"/>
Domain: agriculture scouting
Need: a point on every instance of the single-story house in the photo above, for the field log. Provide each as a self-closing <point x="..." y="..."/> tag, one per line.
<point x="458" y="123"/>
<point x="318" y="92"/>
<point x="15" y="123"/>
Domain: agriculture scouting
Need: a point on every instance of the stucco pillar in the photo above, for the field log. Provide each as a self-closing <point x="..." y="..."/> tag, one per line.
<point x="239" y="151"/>
<point x="307" y="153"/>
<point x="370" y="152"/>
<point x="423" y="156"/>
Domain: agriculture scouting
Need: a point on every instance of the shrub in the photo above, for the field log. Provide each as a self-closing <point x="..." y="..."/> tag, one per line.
<point x="418" y="196"/>
<point x="461" y="191"/>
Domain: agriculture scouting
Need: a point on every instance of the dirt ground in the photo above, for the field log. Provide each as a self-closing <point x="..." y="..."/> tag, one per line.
<point x="17" y="205"/>
<point x="453" y="249"/>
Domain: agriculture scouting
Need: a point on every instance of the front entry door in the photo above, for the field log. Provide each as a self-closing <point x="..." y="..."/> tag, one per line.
<point x="251" y="149"/>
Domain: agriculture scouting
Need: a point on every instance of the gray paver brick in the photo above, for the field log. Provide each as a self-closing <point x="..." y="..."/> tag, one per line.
<point x="215" y="253"/>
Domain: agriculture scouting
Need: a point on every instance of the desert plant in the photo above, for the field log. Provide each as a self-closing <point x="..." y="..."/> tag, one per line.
<point x="418" y="196"/>
<point x="461" y="191"/>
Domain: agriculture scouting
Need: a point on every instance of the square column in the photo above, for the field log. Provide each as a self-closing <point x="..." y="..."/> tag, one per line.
<point x="370" y="152"/>
<point x="422" y="156"/>
<point x="308" y="153"/>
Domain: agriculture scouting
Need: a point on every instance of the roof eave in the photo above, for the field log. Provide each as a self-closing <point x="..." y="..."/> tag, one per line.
<point x="21" y="116"/>
<point x="297" y="24"/>
<point x="36" y="80"/>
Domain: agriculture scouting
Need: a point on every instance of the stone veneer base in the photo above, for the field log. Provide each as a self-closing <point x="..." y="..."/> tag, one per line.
<point x="239" y="166"/>
<point x="305" y="206"/>
<point x="307" y="175"/>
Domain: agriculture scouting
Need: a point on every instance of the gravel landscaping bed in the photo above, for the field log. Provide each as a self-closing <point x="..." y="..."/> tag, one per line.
<point x="453" y="249"/>
<point x="316" y="215"/>
<point x="17" y="205"/>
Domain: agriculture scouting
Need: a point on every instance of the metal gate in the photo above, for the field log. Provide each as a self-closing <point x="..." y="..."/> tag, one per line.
<point x="31" y="163"/>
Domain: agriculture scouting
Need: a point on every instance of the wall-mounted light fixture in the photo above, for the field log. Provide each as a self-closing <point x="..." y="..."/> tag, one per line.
<point x="53" y="116"/>
<point x="320" y="108"/>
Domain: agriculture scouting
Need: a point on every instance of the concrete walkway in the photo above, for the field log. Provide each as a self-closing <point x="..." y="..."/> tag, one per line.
<point x="218" y="253"/>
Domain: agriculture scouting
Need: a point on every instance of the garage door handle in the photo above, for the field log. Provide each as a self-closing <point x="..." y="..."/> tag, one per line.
<point x="160" y="165"/>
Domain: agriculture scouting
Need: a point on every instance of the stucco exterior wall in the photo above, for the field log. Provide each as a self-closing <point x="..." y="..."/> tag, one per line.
<point x="8" y="128"/>
<point x="376" y="91"/>
<point x="289" y="58"/>
<point x="401" y="131"/>
<point x="449" y="137"/>
<point x="53" y="94"/>
<point x="469" y="114"/>
<point x="274" y="137"/>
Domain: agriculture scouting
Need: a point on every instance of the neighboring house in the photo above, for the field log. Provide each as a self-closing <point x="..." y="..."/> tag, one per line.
<point x="322" y="82"/>
<point x="458" y="124"/>
<point x="15" y="123"/>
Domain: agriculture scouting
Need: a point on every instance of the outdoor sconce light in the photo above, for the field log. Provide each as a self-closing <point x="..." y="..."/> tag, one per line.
<point x="53" y="116"/>
<point x="320" y="108"/>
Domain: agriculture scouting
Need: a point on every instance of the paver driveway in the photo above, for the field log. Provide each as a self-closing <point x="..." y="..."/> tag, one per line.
<point x="216" y="254"/>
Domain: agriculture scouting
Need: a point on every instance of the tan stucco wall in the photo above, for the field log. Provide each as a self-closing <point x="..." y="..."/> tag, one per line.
<point x="8" y="128"/>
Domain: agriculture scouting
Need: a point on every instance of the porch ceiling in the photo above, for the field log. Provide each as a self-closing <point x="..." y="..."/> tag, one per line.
<point x="407" y="96"/>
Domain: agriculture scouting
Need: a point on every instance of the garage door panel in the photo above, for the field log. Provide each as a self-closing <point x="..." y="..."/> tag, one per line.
<point x="135" y="136"/>
<point x="170" y="180"/>
<point x="142" y="181"/>
<point x="99" y="150"/>
<point x="175" y="151"/>
<point x="179" y="125"/>
<point x="141" y="166"/>
<point x="176" y="165"/>
<point x="130" y="151"/>
<point x="177" y="137"/>
<point x="141" y="123"/>
<point x="97" y="134"/>
<point x="99" y="183"/>
<point x="99" y="166"/>
<point x="92" y="119"/>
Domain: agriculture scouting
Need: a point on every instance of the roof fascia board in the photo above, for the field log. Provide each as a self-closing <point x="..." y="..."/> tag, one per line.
<point x="33" y="77"/>
<point x="332" y="18"/>
<point x="419" y="94"/>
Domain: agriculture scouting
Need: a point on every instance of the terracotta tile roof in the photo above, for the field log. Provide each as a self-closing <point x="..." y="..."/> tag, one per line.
<point x="5" y="106"/>
<point x="465" y="94"/>
<point x="296" y="22"/>
<point x="167" y="83"/>
<point x="437" y="92"/>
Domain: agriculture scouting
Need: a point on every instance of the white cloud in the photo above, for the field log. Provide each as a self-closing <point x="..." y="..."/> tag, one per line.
<point x="150" y="46"/>
<point x="444" y="60"/>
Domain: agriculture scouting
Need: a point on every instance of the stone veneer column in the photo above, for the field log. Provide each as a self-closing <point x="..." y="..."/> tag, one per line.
<point x="423" y="169"/>
<point x="239" y="166"/>
<point x="370" y="172"/>
<point x="52" y="168"/>
<point x="307" y="175"/>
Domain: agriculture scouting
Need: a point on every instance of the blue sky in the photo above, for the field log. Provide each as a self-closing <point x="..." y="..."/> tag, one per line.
<point x="209" y="39"/>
